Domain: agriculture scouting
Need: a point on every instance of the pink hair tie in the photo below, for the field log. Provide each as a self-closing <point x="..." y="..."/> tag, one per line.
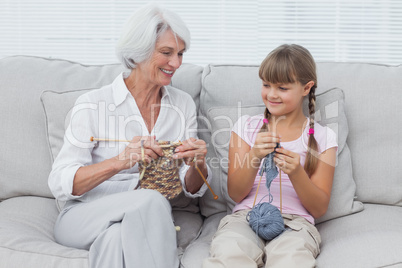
<point x="311" y="131"/>
<point x="265" y="121"/>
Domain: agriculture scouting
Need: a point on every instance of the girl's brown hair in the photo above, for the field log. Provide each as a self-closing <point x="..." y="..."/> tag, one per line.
<point x="291" y="64"/>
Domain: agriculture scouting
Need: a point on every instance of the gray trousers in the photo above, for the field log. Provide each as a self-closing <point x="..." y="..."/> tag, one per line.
<point x="129" y="229"/>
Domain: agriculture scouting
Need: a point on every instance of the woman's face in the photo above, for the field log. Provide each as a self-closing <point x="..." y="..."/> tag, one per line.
<point x="166" y="58"/>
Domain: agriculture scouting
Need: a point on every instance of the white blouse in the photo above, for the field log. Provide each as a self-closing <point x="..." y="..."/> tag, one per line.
<point x="112" y="113"/>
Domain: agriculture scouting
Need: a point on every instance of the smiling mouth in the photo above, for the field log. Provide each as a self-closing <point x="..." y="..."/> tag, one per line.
<point x="167" y="72"/>
<point x="274" y="103"/>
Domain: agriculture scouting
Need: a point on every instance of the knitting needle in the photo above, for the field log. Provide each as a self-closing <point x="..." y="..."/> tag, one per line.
<point x="258" y="187"/>
<point x="98" y="139"/>
<point x="143" y="159"/>
<point x="114" y="140"/>
<point x="202" y="176"/>
<point x="256" y="193"/>
<point x="280" y="189"/>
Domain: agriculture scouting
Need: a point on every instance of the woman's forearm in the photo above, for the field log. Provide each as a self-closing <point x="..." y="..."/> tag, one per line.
<point x="88" y="177"/>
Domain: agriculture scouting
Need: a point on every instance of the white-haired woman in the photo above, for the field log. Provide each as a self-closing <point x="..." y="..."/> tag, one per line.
<point x="120" y="225"/>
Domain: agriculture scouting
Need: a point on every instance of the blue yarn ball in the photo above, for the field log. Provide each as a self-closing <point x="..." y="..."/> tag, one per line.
<point x="266" y="220"/>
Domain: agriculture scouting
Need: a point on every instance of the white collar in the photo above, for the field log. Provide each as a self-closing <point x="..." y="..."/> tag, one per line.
<point x="121" y="92"/>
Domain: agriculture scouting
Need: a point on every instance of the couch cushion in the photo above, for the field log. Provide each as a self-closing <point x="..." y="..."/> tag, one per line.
<point x="190" y="226"/>
<point x="26" y="235"/>
<point x="25" y="156"/>
<point x="219" y="84"/>
<point x="330" y="111"/>
<point x="371" y="238"/>
<point x="373" y="102"/>
<point x="198" y="250"/>
<point x="188" y="78"/>
<point x="57" y="107"/>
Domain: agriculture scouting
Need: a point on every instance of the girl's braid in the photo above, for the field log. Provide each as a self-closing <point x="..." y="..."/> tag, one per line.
<point x="267" y="116"/>
<point x="311" y="106"/>
<point x="311" y="159"/>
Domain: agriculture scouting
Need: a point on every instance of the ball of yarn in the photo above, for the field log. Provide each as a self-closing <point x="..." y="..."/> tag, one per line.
<point x="266" y="221"/>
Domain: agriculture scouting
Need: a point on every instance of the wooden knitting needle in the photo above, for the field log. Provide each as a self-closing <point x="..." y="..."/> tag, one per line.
<point x="202" y="176"/>
<point x="143" y="159"/>
<point x="114" y="140"/>
<point x="98" y="139"/>
<point x="256" y="193"/>
<point x="280" y="189"/>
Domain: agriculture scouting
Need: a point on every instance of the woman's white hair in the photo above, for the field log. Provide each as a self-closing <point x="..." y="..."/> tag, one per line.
<point x="142" y="30"/>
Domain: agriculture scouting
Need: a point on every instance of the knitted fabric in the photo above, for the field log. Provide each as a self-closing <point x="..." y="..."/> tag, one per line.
<point x="162" y="174"/>
<point x="270" y="170"/>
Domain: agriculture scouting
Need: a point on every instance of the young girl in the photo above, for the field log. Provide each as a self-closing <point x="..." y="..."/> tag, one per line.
<point x="306" y="159"/>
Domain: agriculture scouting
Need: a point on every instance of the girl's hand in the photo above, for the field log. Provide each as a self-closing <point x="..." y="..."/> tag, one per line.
<point x="132" y="153"/>
<point x="265" y="144"/>
<point x="192" y="149"/>
<point x="287" y="161"/>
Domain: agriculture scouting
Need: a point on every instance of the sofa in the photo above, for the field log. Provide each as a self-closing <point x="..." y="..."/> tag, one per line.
<point x="361" y="102"/>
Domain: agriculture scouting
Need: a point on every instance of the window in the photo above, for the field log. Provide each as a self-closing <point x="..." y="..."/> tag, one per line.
<point x="223" y="31"/>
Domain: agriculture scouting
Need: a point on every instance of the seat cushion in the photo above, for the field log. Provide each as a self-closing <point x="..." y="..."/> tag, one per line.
<point x="198" y="249"/>
<point x="26" y="235"/>
<point x="371" y="238"/>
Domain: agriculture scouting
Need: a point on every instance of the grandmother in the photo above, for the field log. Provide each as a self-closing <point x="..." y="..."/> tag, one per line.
<point x="104" y="211"/>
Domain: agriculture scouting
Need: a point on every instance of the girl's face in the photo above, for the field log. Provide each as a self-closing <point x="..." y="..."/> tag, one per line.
<point x="283" y="99"/>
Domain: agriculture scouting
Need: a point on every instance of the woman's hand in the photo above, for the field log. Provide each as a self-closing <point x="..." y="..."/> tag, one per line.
<point x="287" y="161"/>
<point x="265" y="144"/>
<point x="192" y="149"/>
<point x="132" y="153"/>
<point x="189" y="150"/>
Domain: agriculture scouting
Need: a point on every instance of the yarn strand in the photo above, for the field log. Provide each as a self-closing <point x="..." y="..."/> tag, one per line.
<point x="280" y="190"/>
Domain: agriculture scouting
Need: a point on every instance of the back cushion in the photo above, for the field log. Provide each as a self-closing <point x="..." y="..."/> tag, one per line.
<point x="223" y="86"/>
<point x="373" y="97"/>
<point x="25" y="161"/>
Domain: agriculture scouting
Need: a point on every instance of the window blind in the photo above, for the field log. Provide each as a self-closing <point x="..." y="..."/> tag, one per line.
<point x="223" y="31"/>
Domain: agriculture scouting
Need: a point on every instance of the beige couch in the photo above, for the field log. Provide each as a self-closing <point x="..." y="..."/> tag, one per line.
<point x="361" y="102"/>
